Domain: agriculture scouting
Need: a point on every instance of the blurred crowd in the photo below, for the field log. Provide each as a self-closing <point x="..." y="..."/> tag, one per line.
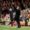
<point x="22" y="5"/>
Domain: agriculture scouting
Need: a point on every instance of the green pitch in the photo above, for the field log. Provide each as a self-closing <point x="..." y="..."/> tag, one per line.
<point x="13" y="28"/>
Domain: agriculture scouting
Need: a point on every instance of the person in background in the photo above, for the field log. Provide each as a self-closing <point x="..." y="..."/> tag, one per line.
<point x="4" y="12"/>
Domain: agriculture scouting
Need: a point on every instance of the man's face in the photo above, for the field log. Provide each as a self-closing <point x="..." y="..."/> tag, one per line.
<point x="17" y="7"/>
<point x="10" y="9"/>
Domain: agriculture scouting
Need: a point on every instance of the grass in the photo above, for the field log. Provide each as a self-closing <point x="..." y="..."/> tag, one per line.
<point x="13" y="28"/>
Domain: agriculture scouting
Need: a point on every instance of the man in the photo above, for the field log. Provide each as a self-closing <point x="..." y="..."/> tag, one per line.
<point x="17" y="16"/>
<point x="11" y="16"/>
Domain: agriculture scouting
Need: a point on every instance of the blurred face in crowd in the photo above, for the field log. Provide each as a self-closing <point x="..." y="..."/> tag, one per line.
<point x="4" y="5"/>
<point x="26" y="1"/>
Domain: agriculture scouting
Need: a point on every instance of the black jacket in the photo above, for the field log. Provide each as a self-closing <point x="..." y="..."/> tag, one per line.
<point x="17" y="14"/>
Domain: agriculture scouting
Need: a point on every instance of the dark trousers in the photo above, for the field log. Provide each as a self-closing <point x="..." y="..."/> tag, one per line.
<point x="11" y="17"/>
<point x="18" y="22"/>
<point x="26" y="23"/>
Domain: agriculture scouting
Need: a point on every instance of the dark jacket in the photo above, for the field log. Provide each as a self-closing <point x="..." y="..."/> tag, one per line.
<point x="17" y="14"/>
